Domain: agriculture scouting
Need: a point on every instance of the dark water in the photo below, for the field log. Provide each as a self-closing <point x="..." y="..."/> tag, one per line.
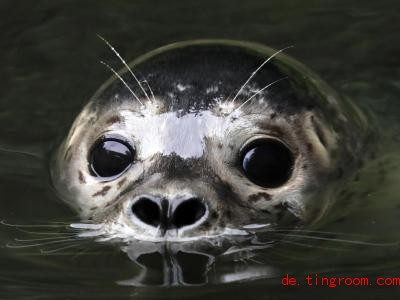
<point x="49" y="62"/>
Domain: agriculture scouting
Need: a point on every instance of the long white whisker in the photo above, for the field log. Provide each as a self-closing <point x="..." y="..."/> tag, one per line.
<point x="122" y="80"/>
<point x="125" y="64"/>
<point x="343" y="240"/>
<point x="43" y="239"/>
<point x="249" y="248"/>
<point x="85" y="226"/>
<point x="255" y="261"/>
<point x="76" y="244"/>
<point x="40" y="244"/>
<point x="60" y="223"/>
<point x="2" y="149"/>
<point x="255" y="72"/>
<point x="294" y="230"/>
<point x="48" y="233"/>
<point x="258" y="92"/>
<point x="311" y="246"/>
<point x="151" y="90"/>
<point x="4" y="222"/>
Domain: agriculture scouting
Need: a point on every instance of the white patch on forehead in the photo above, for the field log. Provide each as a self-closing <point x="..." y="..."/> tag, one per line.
<point x="169" y="133"/>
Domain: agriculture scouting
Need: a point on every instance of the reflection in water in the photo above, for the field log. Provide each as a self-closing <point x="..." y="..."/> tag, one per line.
<point x="264" y="253"/>
<point x="168" y="265"/>
<point x="195" y="263"/>
<point x="176" y="268"/>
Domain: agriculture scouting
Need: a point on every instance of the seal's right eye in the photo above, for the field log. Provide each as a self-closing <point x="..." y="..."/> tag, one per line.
<point x="110" y="157"/>
<point x="267" y="162"/>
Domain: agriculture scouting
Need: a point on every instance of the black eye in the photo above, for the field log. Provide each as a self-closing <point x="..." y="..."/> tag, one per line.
<point x="110" y="157"/>
<point x="267" y="163"/>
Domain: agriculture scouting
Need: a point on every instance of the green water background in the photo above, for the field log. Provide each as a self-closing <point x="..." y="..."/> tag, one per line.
<point x="49" y="58"/>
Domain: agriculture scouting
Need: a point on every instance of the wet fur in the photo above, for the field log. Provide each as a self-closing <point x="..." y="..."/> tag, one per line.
<point x="325" y="133"/>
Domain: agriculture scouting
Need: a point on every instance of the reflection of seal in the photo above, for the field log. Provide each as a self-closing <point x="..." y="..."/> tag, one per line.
<point x="230" y="137"/>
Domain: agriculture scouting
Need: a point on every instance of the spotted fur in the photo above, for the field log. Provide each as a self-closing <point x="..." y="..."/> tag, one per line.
<point x="188" y="130"/>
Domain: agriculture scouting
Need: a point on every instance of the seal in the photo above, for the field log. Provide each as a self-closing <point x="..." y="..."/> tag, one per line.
<point x="207" y="139"/>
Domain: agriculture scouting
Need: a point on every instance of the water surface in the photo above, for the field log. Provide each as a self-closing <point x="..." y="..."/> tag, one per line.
<point x="49" y="55"/>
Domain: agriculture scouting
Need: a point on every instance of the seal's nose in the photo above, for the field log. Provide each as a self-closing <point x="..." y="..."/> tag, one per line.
<point x="187" y="212"/>
<point x="147" y="210"/>
<point x="168" y="214"/>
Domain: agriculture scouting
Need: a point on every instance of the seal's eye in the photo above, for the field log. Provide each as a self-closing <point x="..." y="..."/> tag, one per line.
<point x="110" y="157"/>
<point x="267" y="162"/>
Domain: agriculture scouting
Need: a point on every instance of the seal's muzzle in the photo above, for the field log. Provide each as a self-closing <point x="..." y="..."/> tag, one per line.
<point x="166" y="214"/>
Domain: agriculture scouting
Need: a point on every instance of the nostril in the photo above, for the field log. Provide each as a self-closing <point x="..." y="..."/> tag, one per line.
<point x="148" y="211"/>
<point x="188" y="213"/>
<point x="163" y="214"/>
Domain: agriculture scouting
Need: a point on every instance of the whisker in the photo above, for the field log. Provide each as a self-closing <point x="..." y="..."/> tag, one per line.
<point x="122" y="80"/>
<point x="343" y="240"/>
<point x="313" y="231"/>
<point x="39" y="244"/>
<point x="125" y="64"/>
<point x="42" y="239"/>
<point x="46" y="232"/>
<point x="311" y="246"/>
<point x="4" y="222"/>
<point x="91" y="226"/>
<point x="255" y="72"/>
<point x="259" y="91"/>
<point x="91" y="234"/>
<point x="255" y="261"/>
<point x="50" y="251"/>
<point x="248" y="248"/>
<point x="7" y="150"/>
<point x="150" y="89"/>
<point x="60" y="223"/>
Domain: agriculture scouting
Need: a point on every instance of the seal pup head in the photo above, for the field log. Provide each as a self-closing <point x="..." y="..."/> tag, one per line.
<point x="231" y="137"/>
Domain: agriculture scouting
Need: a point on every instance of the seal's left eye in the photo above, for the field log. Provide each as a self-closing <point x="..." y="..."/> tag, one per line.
<point x="110" y="157"/>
